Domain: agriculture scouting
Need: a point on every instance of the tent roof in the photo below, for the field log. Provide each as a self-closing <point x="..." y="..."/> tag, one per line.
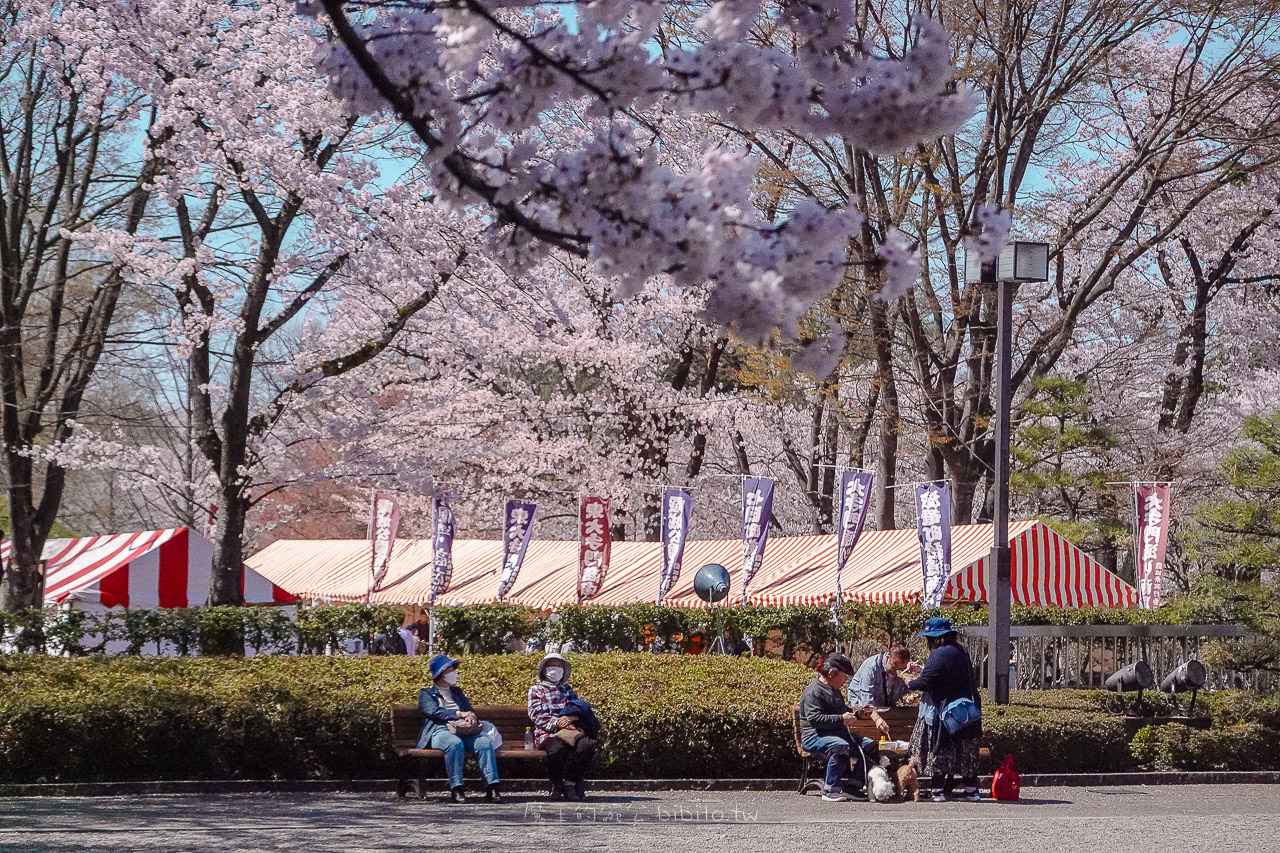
<point x="885" y="567"/>
<point x="152" y="568"/>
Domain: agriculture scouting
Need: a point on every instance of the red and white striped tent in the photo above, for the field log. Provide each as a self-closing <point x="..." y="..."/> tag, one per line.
<point x="885" y="568"/>
<point x="155" y="568"/>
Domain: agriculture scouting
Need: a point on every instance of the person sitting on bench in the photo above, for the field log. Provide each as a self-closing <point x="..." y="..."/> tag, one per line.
<point x="557" y="730"/>
<point x="451" y="726"/>
<point x="824" y="722"/>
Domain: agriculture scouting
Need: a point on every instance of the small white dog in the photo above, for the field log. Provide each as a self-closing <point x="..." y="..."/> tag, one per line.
<point x="879" y="786"/>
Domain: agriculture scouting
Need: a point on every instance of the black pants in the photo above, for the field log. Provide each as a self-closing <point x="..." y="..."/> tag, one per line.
<point x="946" y="782"/>
<point x="568" y="762"/>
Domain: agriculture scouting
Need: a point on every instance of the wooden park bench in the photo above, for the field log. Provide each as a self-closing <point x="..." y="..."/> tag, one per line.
<point x="901" y="720"/>
<point x="406" y="727"/>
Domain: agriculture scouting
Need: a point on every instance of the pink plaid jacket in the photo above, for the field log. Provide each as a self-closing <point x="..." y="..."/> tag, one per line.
<point x="546" y="703"/>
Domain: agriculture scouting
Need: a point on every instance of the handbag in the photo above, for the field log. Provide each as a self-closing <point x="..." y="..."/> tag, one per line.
<point x="960" y="715"/>
<point x="457" y="728"/>
<point x="569" y="735"/>
<point x="1005" y="784"/>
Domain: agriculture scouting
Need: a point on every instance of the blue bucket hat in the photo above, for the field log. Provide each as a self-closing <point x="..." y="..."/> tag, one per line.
<point x="440" y="663"/>
<point x="938" y="626"/>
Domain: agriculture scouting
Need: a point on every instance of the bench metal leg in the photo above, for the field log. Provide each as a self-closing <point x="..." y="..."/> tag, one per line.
<point x="807" y="766"/>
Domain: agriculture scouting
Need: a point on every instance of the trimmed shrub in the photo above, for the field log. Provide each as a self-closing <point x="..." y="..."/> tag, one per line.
<point x="96" y="718"/>
<point x="1057" y="731"/>
<point x="484" y="629"/>
<point x="1242" y="746"/>
<point x="799" y="633"/>
<point x="1231" y="707"/>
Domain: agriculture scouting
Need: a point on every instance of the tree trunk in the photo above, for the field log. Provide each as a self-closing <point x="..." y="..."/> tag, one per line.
<point x="226" y="583"/>
<point x="890" y="425"/>
<point x="20" y="586"/>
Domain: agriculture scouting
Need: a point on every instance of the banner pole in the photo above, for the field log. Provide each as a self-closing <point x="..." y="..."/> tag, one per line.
<point x="1137" y="543"/>
<point x="373" y="551"/>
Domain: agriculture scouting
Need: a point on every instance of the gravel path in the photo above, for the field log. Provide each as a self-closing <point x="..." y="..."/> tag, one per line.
<point x="1160" y="819"/>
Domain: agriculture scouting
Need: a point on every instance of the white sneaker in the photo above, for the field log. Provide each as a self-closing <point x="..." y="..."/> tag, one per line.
<point x="937" y="797"/>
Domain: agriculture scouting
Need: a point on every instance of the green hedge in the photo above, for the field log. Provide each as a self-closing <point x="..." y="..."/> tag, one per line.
<point x="1241" y="746"/>
<point x="189" y="630"/>
<point x="127" y="718"/>
<point x="803" y="633"/>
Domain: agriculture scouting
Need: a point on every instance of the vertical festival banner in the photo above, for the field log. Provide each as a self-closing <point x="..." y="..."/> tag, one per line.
<point x="517" y="529"/>
<point x="757" y="509"/>
<point x="383" y="523"/>
<point x="933" y="525"/>
<point x="1152" y="502"/>
<point x="677" y="510"/>
<point x="444" y="526"/>
<point x="593" y="546"/>
<point x="855" y="497"/>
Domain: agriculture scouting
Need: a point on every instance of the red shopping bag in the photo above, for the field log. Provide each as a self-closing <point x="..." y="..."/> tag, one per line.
<point x="1005" y="784"/>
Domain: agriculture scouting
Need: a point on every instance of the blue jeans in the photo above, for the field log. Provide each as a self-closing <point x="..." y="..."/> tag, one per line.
<point x="838" y="751"/>
<point x="455" y="749"/>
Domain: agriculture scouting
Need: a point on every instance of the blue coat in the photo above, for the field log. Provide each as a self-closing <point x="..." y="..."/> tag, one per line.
<point x="947" y="675"/>
<point x="435" y="714"/>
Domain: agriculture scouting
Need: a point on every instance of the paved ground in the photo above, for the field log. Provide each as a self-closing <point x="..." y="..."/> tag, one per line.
<point x="1187" y="819"/>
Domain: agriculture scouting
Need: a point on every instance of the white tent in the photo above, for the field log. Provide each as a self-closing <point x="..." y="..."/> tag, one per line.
<point x="155" y="568"/>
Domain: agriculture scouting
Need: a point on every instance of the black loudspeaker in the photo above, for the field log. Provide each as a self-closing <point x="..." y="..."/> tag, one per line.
<point x="1135" y="676"/>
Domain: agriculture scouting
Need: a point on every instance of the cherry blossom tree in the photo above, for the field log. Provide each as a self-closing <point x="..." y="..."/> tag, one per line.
<point x="474" y="79"/>
<point x="1105" y="129"/>
<point x="66" y="130"/>
<point x="541" y="385"/>
<point x="271" y="209"/>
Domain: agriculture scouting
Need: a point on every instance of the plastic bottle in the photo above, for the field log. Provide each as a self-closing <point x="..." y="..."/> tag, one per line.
<point x="528" y="737"/>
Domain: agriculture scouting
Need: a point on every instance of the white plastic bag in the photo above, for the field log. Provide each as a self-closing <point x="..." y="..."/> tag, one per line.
<point x="490" y="731"/>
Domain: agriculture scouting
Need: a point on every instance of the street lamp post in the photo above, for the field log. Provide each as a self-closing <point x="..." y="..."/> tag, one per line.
<point x="1018" y="262"/>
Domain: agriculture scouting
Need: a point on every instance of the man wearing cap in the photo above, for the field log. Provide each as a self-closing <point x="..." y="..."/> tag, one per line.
<point x="443" y="703"/>
<point x="824" y="721"/>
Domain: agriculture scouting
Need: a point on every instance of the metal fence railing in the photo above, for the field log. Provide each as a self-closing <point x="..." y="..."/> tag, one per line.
<point x="1047" y="657"/>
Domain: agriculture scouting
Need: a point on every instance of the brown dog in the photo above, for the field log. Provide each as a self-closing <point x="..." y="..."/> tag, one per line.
<point x="909" y="780"/>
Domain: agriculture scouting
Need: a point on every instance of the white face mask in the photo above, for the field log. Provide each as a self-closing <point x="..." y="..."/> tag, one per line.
<point x="451" y="677"/>
<point x="554" y="674"/>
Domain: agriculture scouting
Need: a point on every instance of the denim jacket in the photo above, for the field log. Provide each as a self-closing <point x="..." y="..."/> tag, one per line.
<point x="435" y="714"/>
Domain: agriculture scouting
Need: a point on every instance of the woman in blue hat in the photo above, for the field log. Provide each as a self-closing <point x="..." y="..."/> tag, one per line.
<point x="451" y="726"/>
<point x="947" y="676"/>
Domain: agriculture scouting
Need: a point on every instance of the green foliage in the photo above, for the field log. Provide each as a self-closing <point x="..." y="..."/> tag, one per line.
<point x="1243" y="535"/>
<point x="98" y="718"/>
<point x="791" y="633"/>
<point x="319" y="629"/>
<point x="1242" y="746"/>
<point x="1068" y="741"/>
<point x="1062" y="460"/>
<point x="484" y="628"/>
<point x="1232" y="707"/>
